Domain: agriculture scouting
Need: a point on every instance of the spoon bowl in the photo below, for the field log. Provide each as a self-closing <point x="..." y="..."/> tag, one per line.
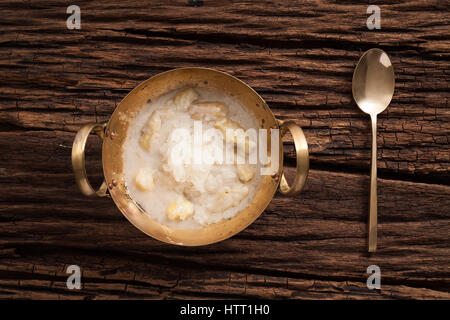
<point x="373" y="87"/>
<point x="373" y="82"/>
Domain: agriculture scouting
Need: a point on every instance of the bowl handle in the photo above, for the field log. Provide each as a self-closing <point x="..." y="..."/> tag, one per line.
<point x="78" y="162"/>
<point x="302" y="155"/>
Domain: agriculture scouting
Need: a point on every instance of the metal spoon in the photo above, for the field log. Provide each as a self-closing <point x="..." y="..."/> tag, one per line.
<point x="373" y="87"/>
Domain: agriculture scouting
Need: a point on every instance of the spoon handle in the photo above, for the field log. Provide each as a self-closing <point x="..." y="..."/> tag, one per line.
<point x="373" y="189"/>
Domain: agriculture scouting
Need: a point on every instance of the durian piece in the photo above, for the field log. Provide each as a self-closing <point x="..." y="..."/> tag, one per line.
<point x="184" y="98"/>
<point x="180" y="209"/>
<point x="154" y="122"/>
<point x="245" y="172"/>
<point x="227" y="123"/>
<point x="151" y="127"/>
<point x="237" y="136"/>
<point x="208" y="111"/>
<point x="144" y="141"/>
<point x="144" y="179"/>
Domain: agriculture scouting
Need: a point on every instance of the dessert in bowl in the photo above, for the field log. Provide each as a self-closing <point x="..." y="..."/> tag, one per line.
<point x="161" y="173"/>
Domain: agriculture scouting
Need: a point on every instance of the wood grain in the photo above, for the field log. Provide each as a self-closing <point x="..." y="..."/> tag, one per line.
<point x="300" y="57"/>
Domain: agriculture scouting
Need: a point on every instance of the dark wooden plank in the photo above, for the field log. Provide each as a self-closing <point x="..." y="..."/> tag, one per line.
<point x="317" y="236"/>
<point x="300" y="57"/>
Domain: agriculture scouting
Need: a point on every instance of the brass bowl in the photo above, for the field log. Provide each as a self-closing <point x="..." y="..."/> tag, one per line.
<point x="114" y="133"/>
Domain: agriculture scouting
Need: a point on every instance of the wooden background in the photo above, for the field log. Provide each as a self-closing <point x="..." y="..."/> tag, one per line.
<point x="300" y="56"/>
